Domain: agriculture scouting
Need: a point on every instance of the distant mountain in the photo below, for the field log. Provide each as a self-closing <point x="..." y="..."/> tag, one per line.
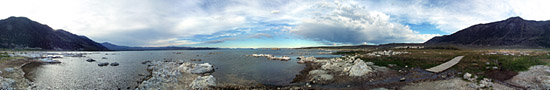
<point x="21" y="32"/>
<point x="512" y="32"/>
<point x="111" y="46"/>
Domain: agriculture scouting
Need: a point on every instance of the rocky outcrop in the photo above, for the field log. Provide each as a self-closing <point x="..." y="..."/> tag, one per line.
<point x="360" y="68"/>
<point x="306" y="59"/>
<point x="320" y="76"/>
<point x="536" y="78"/>
<point x="179" y="75"/>
<point x="203" y="82"/>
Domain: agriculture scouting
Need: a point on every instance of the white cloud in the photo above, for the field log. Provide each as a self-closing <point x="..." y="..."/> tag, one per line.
<point x="452" y="15"/>
<point x="349" y="23"/>
<point x="143" y="22"/>
<point x="275" y="11"/>
<point x="208" y="25"/>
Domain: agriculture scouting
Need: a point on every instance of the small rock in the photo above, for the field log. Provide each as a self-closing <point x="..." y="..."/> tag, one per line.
<point x="402" y="79"/>
<point x="114" y="64"/>
<point x="9" y="70"/>
<point x="145" y="62"/>
<point x="103" y="64"/>
<point x="90" y="60"/>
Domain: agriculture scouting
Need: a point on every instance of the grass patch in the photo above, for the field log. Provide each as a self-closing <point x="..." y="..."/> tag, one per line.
<point x="348" y="52"/>
<point x="473" y="61"/>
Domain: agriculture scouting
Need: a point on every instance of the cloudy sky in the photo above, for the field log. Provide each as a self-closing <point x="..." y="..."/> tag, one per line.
<point x="268" y="23"/>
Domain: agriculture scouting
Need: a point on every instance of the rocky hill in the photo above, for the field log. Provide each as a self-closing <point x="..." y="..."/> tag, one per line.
<point x="512" y="32"/>
<point x="21" y="32"/>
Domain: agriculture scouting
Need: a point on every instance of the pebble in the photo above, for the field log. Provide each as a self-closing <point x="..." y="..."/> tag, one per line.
<point x="9" y="70"/>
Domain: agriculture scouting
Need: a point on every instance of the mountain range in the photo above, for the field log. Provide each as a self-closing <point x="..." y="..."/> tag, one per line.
<point x="514" y="32"/>
<point x="21" y="32"/>
<point x="111" y="46"/>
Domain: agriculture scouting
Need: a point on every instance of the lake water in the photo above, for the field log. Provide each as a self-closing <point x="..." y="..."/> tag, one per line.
<point x="232" y="67"/>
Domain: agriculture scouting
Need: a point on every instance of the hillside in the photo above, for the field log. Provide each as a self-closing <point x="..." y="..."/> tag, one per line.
<point x="21" y="32"/>
<point x="512" y="32"/>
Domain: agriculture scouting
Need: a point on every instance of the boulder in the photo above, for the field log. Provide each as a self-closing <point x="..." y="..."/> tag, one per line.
<point x="203" y="82"/>
<point x="360" y="68"/>
<point x="203" y="68"/>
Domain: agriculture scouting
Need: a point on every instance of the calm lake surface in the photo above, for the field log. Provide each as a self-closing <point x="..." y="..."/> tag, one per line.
<point x="232" y="67"/>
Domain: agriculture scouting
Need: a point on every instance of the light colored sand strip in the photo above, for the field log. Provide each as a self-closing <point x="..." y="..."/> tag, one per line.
<point x="446" y="65"/>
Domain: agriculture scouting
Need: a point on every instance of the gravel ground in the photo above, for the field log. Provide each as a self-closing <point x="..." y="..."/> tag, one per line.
<point x="536" y="78"/>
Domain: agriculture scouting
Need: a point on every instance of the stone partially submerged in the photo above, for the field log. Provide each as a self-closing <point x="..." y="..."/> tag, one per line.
<point x="203" y="82"/>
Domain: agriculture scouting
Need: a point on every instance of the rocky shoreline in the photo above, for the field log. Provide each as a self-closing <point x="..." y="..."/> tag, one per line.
<point x="12" y="74"/>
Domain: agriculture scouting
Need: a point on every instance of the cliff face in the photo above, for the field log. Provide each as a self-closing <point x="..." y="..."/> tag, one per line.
<point x="20" y="32"/>
<point x="513" y="31"/>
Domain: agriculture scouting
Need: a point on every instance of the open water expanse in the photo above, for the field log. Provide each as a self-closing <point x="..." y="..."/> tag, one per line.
<point x="231" y="67"/>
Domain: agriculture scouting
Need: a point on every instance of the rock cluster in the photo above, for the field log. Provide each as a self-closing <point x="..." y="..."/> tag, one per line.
<point x="7" y="84"/>
<point x="347" y="66"/>
<point x="386" y="53"/>
<point x="271" y="57"/>
<point x="303" y="59"/>
<point x="484" y="83"/>
<point x="179" y="75"/>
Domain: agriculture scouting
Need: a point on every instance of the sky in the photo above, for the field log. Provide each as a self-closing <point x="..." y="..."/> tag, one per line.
<point x="268" y="23"/>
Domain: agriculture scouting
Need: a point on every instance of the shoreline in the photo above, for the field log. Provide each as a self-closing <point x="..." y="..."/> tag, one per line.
<point x="17" y="73"/>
